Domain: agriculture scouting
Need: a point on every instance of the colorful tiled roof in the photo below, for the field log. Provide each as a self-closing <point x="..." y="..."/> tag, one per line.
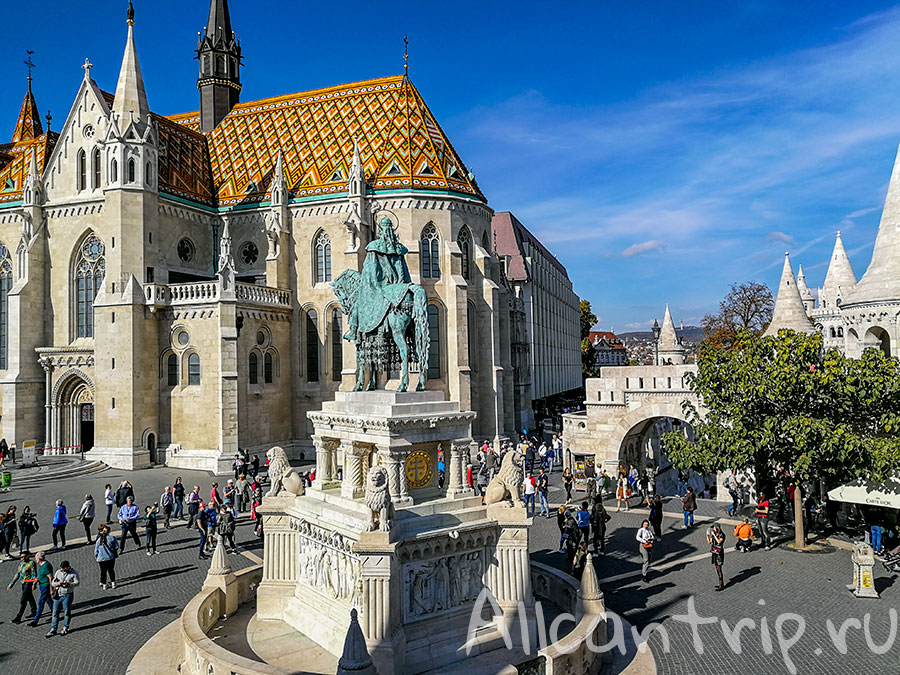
<point x="28" y="126"/>
<point x="401" y="144"/>
<point x="14" y="170"/>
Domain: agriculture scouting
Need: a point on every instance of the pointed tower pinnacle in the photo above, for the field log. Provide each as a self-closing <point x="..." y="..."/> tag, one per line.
<point x="219" y="564"/>
<point x="356" y="183"/>
<point x="279" y="187"/>
<point x="226" y="259"/>
<point x="28" y="126"/>
<point x="805" y="294"/>
<point x="219" y="53"/>
<point x="131" y="99"/>
<point x="840" y="280"/>
<point x="355" y="659"/>
<point x="34" y="187"/>
<point x="789" y="312"/>
<point x="589" y="596"/>
<point x="669" y="348"/>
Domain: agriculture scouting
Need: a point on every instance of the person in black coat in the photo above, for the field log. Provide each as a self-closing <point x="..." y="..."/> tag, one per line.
<point x="599" y="518"/>
<point x="123" y="493"/>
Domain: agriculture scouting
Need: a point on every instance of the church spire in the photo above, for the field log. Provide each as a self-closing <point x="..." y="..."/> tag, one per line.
<point x="840" y="279"/>
<point x="789" y="312"/>
<point x="669" y="349"/>
<point x="805" y="294"/>
<point x="131" y="99"/>
<point x="219" y="53"/>
<point x="28" y="126"/>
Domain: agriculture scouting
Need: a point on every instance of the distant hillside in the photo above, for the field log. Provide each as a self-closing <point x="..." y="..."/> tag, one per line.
<point x="688" y="334"/>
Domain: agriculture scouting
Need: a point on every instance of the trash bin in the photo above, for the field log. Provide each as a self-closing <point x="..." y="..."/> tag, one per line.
<point x="6" y="479"/>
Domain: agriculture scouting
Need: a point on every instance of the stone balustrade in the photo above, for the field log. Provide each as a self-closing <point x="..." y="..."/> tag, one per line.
<point x="204" y="292"/>
<point x="263" y="295"/>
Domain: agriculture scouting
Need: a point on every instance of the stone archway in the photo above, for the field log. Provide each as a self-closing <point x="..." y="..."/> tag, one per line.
<point x="72" y="414"/>
<point x="878" y="338"/>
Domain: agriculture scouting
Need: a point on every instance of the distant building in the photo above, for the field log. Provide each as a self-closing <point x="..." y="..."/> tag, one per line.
<point x="609" y="350"/>
<point x="544" y="335"/>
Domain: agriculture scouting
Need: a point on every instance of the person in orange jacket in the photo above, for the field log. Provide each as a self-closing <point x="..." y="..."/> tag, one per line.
<point x="744" y="535"/>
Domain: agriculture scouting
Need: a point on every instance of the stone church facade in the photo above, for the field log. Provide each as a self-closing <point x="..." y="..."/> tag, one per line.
<point x="164" y="281"/>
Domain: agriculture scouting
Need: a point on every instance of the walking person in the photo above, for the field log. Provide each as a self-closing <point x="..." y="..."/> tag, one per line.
<point x="528" y="490"/>
<point x="26" y="574"/>
<point x="254" y="466"/>
<point x="109" y="498"/>
<point x="44" y="572"/>
<point x="150" y="528"/>
<point x="194" y="503"/>
<point x="689" y="505"/>
<point x="106" y="549"/>
<point x="568" y="481"/>
<point x="10" y="531"/>
<point x="167" y="503"/>
<point x="731" y="485"/>
<point x="743" y="534"/>
<point x="644" y="483"/>
<point x="543" y="489"/>
<point x="178" y="497"/>
<point x="128" y="517"/>
<point x="583" y="520"/>
<point x="645" y="544"/>
<point x="203" y="529"/>
<point x="622" y="491"/>
<point x="59" y="526"/>
<point x="215" y="499"/>
<point x="242" y="494"/>
<point x="561" y="524"/>
<point x="656" y="516"/>
<point x="124" y="491"/>
<point x="28" y="526"/>
<point x="225" y="529"/>
<point x="64" y="582"/>
<point x="762" y="520"/>
<point x="599" y="518"/>
<point x="86" y="517"/>
<point x="716" y="540"/>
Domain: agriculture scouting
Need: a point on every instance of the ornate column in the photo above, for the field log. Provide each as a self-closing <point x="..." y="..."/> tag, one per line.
<point x="457" y="484"/>
<point x="402" y="456"/>
<point x="325" y="469"/>
<point x="392" y="463"/>
<point x="48" y="417"/>
<point x="354" y="483"/>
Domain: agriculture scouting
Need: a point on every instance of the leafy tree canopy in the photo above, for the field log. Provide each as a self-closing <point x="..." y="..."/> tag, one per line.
<point x="747" y="307"/>
<point x="770" y="401"/>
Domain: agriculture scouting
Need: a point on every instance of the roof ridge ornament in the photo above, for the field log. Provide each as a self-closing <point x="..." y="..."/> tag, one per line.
<point x="130" y="20"/>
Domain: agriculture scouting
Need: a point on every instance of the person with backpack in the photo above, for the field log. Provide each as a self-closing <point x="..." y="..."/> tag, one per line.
<point x="583" y="520"/>
<point x="225" y="528"/>
<point x="599" y="518"/>
<point x="28" y="526"/>
<point x="106" y="550"/>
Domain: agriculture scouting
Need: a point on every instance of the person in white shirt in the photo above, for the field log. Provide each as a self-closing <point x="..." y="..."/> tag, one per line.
<point x="528" y="488"/>
<point x="645" y="545"/>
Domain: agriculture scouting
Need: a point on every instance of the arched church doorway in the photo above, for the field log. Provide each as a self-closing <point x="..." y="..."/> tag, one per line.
<point x="643" y="447"/>
<point x="151" y="446"/>
<point x="72" y="414"/>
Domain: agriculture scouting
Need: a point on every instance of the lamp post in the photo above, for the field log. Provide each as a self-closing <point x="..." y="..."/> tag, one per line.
<point x="656" y="331"/>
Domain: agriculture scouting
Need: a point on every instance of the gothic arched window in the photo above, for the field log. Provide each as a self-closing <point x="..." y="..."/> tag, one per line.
<point x="95" y="167"/>
<point x="323" y="257"/>
<point x="465" y="247"/>
<point x="131" y="171"/>
<point x="434" y="345"/>
<point x="194" y="368"/>
<point x="6" y="275"/>
<point x="172" y="370"/>
<point x="337" y="347"/>
<point x="431" y="261"/>
<point x="82" y="170"/>
<point x="89" y="270"/>
<point x="312" y="346"/>
<point x="113" y="171"/>
<point x="254" y="368"/>
<point x="268" y="368"/>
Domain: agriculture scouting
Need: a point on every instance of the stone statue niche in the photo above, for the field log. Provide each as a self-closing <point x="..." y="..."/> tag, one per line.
<point x="388" y="322"/>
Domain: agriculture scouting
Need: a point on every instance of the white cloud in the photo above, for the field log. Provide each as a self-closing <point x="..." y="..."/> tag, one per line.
<point x="643" y="247"/>
<point x="780" y="237"/>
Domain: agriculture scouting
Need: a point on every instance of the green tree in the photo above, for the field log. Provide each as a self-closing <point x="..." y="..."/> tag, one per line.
<point x="588" y="320"/>
<point x="747" y="307"/>
<point x="784" y="401"/>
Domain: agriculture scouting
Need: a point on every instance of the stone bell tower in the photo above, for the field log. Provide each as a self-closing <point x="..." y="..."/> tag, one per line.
<point x="219" y="53"/>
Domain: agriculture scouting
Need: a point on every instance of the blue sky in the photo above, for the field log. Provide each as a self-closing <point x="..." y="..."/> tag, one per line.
<point x="662" y="150"/>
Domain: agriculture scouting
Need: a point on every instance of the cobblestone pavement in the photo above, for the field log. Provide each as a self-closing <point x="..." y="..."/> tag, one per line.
<point x="759" y="585"/>
<point x="108" y="627"/>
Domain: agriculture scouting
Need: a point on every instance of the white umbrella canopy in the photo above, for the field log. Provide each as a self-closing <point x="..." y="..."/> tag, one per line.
<point x="863" y="492"/>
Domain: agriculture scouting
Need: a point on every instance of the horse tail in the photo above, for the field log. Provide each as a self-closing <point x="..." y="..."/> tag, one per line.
<point x="423" y="336"/>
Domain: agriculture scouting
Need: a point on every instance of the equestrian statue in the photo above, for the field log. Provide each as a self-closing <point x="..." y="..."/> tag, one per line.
<point x="386" y="312"/>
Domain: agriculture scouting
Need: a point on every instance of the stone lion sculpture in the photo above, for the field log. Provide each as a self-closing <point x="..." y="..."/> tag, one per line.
<point x="378" y="499"/>
<point x="507" y="481"/>
<point x="281" y="475"/>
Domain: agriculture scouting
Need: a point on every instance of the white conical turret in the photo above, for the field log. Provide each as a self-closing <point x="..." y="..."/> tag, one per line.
<point x="805" y="294"/>
<point x="840" y="279"/>
<point x="131" y="99"/>
<point x="789" y="311"/>
<point x="669" y="348"/>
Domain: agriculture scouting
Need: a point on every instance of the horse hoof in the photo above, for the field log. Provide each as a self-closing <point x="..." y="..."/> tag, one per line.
<point x="402" y="387"/>
<point x="420" y="387"/>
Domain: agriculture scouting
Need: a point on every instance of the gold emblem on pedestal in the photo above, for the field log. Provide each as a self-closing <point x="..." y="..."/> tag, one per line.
<point x="419" y="469"/>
